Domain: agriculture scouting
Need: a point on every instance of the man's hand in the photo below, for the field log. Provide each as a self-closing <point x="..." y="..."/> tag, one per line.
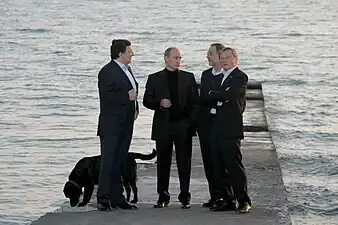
<point x="132" y="95"/>
<point x="165" y="103"/>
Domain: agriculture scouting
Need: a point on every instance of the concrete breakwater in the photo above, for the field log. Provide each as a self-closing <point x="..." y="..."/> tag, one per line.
<point x="265" y="185"/>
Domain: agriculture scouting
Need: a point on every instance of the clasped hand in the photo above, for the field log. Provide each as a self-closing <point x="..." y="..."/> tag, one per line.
<point x="132" y="95"/>
<point x="165" y="103"/>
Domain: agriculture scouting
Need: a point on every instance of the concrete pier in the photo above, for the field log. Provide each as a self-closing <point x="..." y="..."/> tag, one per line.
<point x="265" y="186"/>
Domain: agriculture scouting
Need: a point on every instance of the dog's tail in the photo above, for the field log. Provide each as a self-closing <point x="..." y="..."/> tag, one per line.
<point x="141" y="156"/>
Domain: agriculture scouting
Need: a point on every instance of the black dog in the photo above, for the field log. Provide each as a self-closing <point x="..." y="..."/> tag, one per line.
<point x="86" y="174"/>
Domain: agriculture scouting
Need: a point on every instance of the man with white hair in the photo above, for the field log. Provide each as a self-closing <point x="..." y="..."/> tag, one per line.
<point x="229" y="101"/>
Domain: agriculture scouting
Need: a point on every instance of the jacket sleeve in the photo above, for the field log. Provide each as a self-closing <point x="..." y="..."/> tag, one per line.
<point x="233" y="92"/>
<point x="194" y="100"/>
<point x="204" y="97"/>
<point x="150" y="100"/>
<point x="109" y="89"/>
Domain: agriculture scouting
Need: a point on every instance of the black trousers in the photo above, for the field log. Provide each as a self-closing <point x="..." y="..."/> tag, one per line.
<point x="204" y="134"/>
<point x="226" y="155"/>
<point x="204" y="139"/>
<point x="114" y="150"/>
<point x="183" y="150"/>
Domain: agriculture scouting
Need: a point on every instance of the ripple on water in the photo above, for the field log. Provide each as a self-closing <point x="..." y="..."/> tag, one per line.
<point x="318" y="200"/>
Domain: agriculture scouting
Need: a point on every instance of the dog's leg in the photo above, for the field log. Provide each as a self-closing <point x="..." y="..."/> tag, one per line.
<point x="88" y="191"/>
<point x="128" y="190"/>
<point x="135" y="191"/>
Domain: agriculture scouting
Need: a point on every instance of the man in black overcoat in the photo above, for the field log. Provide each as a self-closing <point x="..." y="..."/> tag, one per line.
<point x="229" y="101"/>
<point x="172" y="94"/>
<point x="118" y="90"/>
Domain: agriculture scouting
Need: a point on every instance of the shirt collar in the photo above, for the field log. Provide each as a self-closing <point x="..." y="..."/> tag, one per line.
<point x="123" y="66"/>
<point x="227" y="72"/>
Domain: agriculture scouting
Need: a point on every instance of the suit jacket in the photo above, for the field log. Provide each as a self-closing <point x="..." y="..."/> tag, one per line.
<point x="115" y="106"/>
<point x="157" y="89"/>
<point x="205" y="102"/>
<point x="229" y="99"/>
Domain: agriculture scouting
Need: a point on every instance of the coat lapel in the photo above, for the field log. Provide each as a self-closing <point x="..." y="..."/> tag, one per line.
<point x="131" y="72"/>
<point x="164" y="87"/>
<point x="180" y="90"/>
<point x="122" y="73"/>
<point x="228" y="78"/>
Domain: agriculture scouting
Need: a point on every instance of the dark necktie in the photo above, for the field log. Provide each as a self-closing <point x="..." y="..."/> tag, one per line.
<point x="129" y="68"/>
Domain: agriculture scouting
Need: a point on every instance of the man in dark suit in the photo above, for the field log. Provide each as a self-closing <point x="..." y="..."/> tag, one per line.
<point x="229" y="103"/>
<point x="118" y="109"/>
<point x="173" y="95"/>
<point x="211" y="78"/>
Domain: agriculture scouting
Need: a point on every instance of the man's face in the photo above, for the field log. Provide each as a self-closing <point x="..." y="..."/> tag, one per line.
<point x="227" y="59"/>
<point x="173" y="61"/>
<point x="212" y="56"/>
<point x="125" y="57"/>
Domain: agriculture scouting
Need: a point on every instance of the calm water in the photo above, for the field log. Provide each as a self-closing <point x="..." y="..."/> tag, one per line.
<point x="51" y="52"/>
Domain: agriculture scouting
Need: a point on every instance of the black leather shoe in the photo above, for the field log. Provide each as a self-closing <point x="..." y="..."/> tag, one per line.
<point x="126" y="205"/>
<point x="244" y="208"/>
<point x="224" y="206"/>
<point x="208" y="204"/>
<point x="104" y="207"/>
<point x="185" y="205"/>
<point x="216" y="204"/>
<point x="161" y="204"/>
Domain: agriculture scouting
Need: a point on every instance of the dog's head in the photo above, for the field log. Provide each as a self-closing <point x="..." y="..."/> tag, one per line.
<point x="73" y="192"/>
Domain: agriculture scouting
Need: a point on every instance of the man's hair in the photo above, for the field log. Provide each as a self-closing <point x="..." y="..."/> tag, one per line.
<point x="218" y="47"/>
<point x="167" y="52"/>
<point x="233" y="51"/>
<point x="118" y="46"/>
